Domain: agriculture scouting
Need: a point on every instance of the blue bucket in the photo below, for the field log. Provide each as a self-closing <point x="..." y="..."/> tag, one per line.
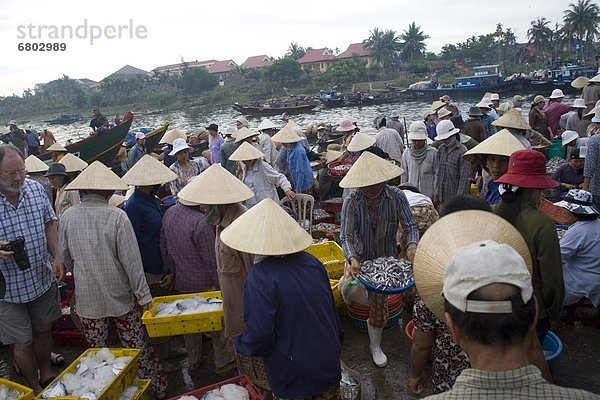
<point x="552" y="347"/>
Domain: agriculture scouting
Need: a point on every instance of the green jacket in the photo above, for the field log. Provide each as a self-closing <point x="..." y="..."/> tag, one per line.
<point x="539" y="232"/>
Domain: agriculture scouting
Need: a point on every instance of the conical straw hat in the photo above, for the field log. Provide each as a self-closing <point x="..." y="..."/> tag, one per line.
<point x="332" y="155"/>
<point x="512" y="119"/>
<point x="436" y="105"/>
<point x="73" y="163"/>
<point x="214" y="186"/>
<point x="97" y="177"/>
<point x="244" y="133"/>
<point x="246" y="152"/>
<point x="369" y="170"/>
<point x="57" y="147"/>
<point x="266" y="230"/>
<point x="444" y="237"/>
<point x="34" y="164"/>
<point x="287" y="134"/>
<point x="580" y="82"/>
<point x="361" y="141"/>
<point x="594" y="79"/>
<point x="116" y="200"/>
<point x="502" y="143"/>
<point x="170" y="136"/>
<point x="148" y="171"/>
<point x="293" y="124"/>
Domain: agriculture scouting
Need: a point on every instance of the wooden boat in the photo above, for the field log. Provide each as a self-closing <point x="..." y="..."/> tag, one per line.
<point x="98" y="146"/>
<point x="65" y="119"/>
<point x="291" y="108"/>
<point x="333" y="99"/>
<point x="485" y="79"/>
<point x="154" y="137"/>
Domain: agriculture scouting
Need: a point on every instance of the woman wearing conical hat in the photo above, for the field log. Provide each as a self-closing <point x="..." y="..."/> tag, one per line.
<point x="259" y="176"/>
<point x="372" y="215"/>
<point x="297" y="160"/>
<point x="292" y="322"/>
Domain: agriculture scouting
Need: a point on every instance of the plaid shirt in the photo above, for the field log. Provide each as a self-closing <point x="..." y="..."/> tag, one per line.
<point x="521" y="383"/>
<point x="187" y="244"/>
<point x="98" y="244"/>
<point x="453" y="173"/>
<point x="29" y="220"/>
<point x="366" y="242"/>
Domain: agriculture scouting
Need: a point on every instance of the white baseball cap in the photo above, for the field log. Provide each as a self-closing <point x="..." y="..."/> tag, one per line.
<point x="480" y="264"/>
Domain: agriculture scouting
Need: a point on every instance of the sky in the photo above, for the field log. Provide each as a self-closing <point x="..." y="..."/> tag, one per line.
<point x="165" y="32"/>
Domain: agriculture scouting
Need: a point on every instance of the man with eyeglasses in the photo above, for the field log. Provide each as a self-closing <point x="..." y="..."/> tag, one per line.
<point x="29" y="297"/>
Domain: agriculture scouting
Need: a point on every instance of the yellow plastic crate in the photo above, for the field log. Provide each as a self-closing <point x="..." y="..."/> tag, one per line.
<point x="27" y="392"/>
<point x="142" y="392"/>
<point x="181" y="324"/>
<point x="337" y="294"/>
<point x="119" y="384"/>
<point x="331" y="255"/>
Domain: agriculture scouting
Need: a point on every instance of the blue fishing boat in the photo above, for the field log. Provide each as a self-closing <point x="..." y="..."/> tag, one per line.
<point x="559" y="76"/>
<point x="485" y="78"/>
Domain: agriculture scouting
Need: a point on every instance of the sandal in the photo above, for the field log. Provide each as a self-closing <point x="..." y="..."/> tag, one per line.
<point x="56" y="359"/>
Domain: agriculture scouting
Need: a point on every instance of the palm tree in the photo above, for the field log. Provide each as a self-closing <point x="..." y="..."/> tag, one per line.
<point x="540" y="35"/>
<point x="413" y="43"/>
<point x="383" y="45"/>
<point x="295" y="51"/>
<point x="583" y="19"/>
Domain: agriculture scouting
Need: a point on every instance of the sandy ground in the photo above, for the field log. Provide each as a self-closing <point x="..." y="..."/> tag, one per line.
<point x="578" y="365"/>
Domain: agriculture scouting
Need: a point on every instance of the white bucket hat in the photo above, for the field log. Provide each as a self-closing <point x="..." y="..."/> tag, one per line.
<point x="443" y="112"/>
<point x="579" y="103"/>
<point x="417" y="131"/>
<point x="178" y="145"/>
<point x="568" y="136"/>
<point x="445" y="129"/>
<point x="395" y="114"/>
<point x="495" y="96"/>
<point x="557" y="94"/>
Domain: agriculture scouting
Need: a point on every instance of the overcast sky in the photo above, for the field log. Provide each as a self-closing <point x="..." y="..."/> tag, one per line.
<point x="200" y="30"/>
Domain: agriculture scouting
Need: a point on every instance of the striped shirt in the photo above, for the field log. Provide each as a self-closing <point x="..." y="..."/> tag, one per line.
<point x="366" y="242"/>
<point x="28" y="220"/>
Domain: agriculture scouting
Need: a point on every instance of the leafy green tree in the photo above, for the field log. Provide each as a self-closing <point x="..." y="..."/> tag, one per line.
<point x="413" y="43"/>
<point x="383" y="46"/>
<point x="196" y="80"/>
<point x="345" y="72"/>
<point x="540" y="36"/>
<point x="295" y="51"/>
<point x="583" y="20"/>
<point x="284" y="70"/>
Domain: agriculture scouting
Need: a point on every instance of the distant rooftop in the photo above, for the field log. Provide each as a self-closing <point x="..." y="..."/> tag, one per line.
<point x="127" y="71"/>
<point x="179" y="66"/>
<point x="317" y="55"/>
<point x="257" y="62"/>
<point x="220" y="67"/>
<point x="355" y="49"/>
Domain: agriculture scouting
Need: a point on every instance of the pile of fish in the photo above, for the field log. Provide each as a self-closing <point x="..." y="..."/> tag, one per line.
<point x="349" y="387"/>
<point x="129" y="393"/>
<point x="387" y="272"/>
<point x="94" y="372"/>
<point x="8" y="393"/>
<point x="326" y="227"/>
<point x="319" y="213"/>
<point x="226" y="392"/>
<point x="553" y="164"/>
<point x="189" y="305"/>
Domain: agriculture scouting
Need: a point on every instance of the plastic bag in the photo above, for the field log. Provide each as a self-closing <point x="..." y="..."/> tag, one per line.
<point x="353" y="291"/>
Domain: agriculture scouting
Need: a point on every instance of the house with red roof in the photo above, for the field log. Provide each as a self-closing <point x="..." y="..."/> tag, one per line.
<point x="317" y="60"/>
<point x="357" y="50"/>
<point x="261" y="61"/>
<point x="222" y="67"/>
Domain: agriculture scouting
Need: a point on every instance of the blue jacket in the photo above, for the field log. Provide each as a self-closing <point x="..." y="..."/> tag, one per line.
<point x="299" y="168"/>
<point x="145" y="215"/>
<point x="293" y="324"/>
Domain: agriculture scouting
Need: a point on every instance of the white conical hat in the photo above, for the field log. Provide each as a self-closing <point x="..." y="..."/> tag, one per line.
<point x="332" y="155"/>
<point x="214" y="186"/>
<point x="512" y="119"/>
<point x="57" y="147"/>
<point x="97" y="177"/>
<point x="361" y="141"/>
<point x="502" y="143"/>
<point x="170" y="136"/>
<point x="73" y="163"/>
<point x="580" y="82"/>
<point x="369" y="170"/>
<point x="116" y="200"/>
<point x="266" y="230"/>
<point x="595" y="78"/>
<point x="266" y="124"/>
<point x="287" y="134"/>
<point x="34" y="164"/>
<point x="148" y="171"/>
<point x="246" y="152"/>
<point x="244" y="133"/>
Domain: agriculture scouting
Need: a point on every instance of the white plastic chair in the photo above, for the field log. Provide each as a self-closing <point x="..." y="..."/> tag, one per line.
<point x="302" y="205"/>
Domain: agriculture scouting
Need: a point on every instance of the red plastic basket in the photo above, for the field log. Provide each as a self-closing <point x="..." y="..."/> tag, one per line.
<point x="333" y="169"/>
<point x="331" y="206"/>
<point x="70" y="339"/>
<point x="241" y="380"/>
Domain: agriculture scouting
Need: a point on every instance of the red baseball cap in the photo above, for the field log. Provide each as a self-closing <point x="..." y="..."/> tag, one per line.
<point x="527" y="169"/>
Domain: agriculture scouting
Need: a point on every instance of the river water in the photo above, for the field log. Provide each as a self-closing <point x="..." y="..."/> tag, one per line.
<point x="196" y="119"/>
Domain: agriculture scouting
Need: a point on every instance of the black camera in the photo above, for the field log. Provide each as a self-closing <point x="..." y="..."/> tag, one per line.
<point x="20" y="256"/>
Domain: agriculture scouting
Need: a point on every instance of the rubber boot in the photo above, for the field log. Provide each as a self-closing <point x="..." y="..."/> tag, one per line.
<point x="379" y="358"/>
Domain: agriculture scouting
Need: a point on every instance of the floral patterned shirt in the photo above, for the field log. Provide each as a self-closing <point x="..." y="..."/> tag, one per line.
<point x="449" y="360"/>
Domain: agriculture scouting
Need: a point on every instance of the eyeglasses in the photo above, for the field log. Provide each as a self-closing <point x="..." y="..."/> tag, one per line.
<point x="15" y="173"/>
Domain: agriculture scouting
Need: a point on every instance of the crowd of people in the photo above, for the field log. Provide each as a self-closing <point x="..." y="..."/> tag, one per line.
<point x="458" y="198"/>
